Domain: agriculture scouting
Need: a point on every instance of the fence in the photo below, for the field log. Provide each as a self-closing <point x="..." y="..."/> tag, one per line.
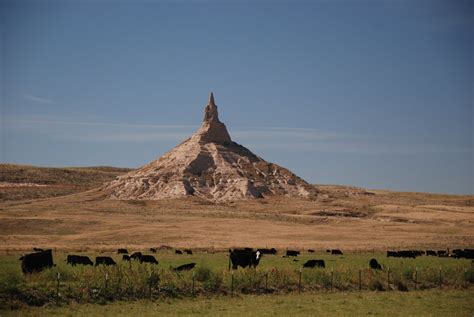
<point x="95" y="284"/>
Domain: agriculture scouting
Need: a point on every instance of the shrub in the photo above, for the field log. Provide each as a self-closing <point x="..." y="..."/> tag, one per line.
<point x="202" y="274"/>
<point x="376" y="285"/>
<point x="10" y="281"/>
<point x="401" y="286"/>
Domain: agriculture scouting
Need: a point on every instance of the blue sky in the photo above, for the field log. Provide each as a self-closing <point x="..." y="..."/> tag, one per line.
<point x="369" y="93"/>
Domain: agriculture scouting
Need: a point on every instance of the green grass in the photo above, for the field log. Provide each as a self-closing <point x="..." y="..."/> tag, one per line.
<point x="277" y="275"/>
<point x="417" y="303"/>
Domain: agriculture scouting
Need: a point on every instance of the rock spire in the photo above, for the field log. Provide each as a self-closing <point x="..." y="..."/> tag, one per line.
<point x="212" y="130"/>
<point x="211" y="166"/>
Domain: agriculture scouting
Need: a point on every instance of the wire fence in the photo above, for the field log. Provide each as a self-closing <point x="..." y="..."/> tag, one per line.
<point x="102" y="283"/>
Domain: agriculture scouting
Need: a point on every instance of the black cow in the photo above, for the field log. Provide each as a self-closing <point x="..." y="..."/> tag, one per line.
<point x="310" y="250"/>
<point x="314" y="263"/>
<point x="393" y="254"/>
<point x="153" y="250"/>
<point x="244" y="258"/>
<point x="407" y="254"/>
<point x="188" y="251"/>
<point x="78" y="259"/>
<point x="442" y="252"/>
<point x="336" y="252"/>
<point x="431" y="252"/>
<point x="122" y="251"/>
<point x="38" y="261"/>
<point x="466" y="254"/>
<point x="136" y="256"/>
<point x="105" y="260"/>
<point x="125" y="257"/>
<point x="374" y="264"/>
<point x="292" y="253"/>
<point x="328" y="251"/>
<point x="178" y="252"/>
<point x="268" y="251"/>
<point x="148" y="259"/>
<point x="185" y="267"/>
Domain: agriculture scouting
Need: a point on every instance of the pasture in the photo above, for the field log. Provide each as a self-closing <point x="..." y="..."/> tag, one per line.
<point x="417" y="303"/>
<point x="275" y="275"/>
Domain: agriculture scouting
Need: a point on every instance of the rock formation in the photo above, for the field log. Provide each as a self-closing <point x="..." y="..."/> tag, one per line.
<point x="211" y="166"/>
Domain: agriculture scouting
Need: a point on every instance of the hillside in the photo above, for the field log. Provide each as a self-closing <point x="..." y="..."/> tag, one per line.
<point x="20" y="182"/>
<point x="341" y="217"/>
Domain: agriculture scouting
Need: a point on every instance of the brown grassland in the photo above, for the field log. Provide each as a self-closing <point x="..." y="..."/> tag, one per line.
<point x="79" y="218"/>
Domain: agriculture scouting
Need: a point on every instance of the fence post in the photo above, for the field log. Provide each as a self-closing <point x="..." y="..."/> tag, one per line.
<point x="465" y="277"/>
<point x="106" y="282"/>
<point x="440" y="278"/>
<point x="193" y="284"/>
<point x="58" y="277"/>
<point x="360" y="280"/>
<point x="149" y="285"/>
<point x="388" y="278"/>
<point x="416" y="278"/>
<point x="299" y="280"/>
<point x="332" y="279"/>
<point x="232" y="283"/>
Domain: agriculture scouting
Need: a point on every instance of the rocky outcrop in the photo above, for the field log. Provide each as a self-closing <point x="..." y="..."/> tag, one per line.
<point x="211" y="166"/>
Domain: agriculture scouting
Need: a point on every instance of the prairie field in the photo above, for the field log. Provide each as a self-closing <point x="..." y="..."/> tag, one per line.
<point x="343" y="217"/>
<point x="363" y="223"/>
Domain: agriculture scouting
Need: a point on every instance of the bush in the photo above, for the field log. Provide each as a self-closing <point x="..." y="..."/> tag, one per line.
<point x="401" y="286"/>
<point x="10" y="281"/>
<point x="376" y="285"/>
<point x="202" y="274"/>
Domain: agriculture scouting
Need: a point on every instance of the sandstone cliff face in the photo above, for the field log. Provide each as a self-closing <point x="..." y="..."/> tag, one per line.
<point x="211" y="166"/>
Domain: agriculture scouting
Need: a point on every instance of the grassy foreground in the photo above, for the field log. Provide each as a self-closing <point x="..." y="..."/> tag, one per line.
<point x="418" y="303"/>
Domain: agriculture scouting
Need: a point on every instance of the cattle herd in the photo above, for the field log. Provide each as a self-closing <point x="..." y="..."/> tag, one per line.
<point x="456" y="253"/>
<point x="244" y="257"/>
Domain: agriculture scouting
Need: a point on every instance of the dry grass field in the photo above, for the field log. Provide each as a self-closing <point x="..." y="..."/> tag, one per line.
<point x="342" y="217"/>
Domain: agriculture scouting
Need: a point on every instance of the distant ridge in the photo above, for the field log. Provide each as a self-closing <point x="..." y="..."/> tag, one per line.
<point x="211" y="166"/>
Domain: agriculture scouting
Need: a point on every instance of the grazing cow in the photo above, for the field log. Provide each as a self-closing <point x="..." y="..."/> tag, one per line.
<point x="105" y="260"/>
<point x="393" y="254"/>
<point x="122" y="251"/>
<point x="328" y="251"/>
<point x="268" y="251"/>
<point x="292" y="253"/>
<point x="79" y="259"/>
<point x="243" y="258"/>
<point x="126" y="257"/>
<point x="441" y="252"/>
<point x="136" y="256"/>
<point x="38" y="250"/>
<point x="188" y="251"/>
<point x="148" y="259"/>
<point x="336" y="252"/>
<point x="431" y="252"/>
<point x="314" y="263"/>
<point x="466" y="254"/>
<point x="310" y="250"/>
<point x="407" y="254"/>
<point x="185" y="267"/>
<point x="178" y="252"/>
<point x="35" y="262"/>
<point x="374" y="264"/>
<point x="153" y="250"/>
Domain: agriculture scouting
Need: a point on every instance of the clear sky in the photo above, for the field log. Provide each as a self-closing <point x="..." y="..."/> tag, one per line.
<point x="376" y="94"/>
